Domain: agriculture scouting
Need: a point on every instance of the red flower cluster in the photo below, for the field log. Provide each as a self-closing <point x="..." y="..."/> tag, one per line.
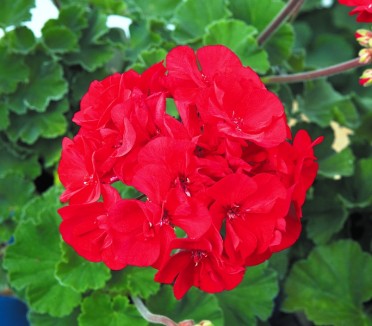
<point x="224" y="188"/>
<point x="363" y="9"/>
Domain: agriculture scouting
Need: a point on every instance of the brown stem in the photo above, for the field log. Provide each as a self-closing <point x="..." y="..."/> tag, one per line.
<point x="292" y="5"/>
<point x="149" y="316"/>
<point x="329" y="71"/>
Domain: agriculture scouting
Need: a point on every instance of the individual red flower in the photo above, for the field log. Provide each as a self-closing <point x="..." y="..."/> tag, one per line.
<point x="251" y="209"/>
<point x="199" y="263"/>
<point x="87" y="228"/>
<point x="363" y="9"/>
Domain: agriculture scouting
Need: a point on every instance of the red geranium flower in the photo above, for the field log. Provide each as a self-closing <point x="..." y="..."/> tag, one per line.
<point x="363" y="9"/>
<point x="223" y="187"/>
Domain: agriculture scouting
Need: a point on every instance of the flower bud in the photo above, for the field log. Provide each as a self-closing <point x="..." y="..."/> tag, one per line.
<point x="365" y="56"/>
<point x="364" y="37"/>
<point x="366" y="78"/>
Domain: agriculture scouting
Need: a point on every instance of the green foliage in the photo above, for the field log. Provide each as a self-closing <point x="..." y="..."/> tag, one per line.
<point x="253" y="298"/>
<point x="195" y="305"/>
<point x="332" y="284"/>
<point x="42" y="80"/>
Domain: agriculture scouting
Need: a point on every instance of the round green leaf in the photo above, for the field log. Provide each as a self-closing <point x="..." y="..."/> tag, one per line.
<point x="20" y="40"/>
<point x="195" y="305"/>
<point x="15" y="191"/>
<point x="31" y="260"/>
<point x="193" y="16"/>
<point x="32" y="125"/>
<point x="60" y="39"/>
<point x="46" y="83"/>
<point x="80" y="274"/>
<point x="252" y="299"/>
<point x="324" y="213"/>
<point x="137" y="281"/>
<point x="356" y="191"/>
<point x="101" y="309"/>
<point x="157" y="9"/>
<point x="12" y="71"/>
<point x="331" y="285"/>
<point x="25" y="166"/>
<point x="240" y="38"/>
<point x="46" y="320"/>
<point x="14" y="12"/>
<point x="337" y="164"/>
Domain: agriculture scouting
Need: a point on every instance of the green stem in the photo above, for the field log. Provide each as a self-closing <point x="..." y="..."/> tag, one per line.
<point x="292" y="5"/>
<point x="329" y="71"/>
<point x="149" y="316"/>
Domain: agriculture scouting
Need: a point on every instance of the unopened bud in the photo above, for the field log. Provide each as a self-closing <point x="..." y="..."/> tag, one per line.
<point x="365" y="56"/>
<point x="364" y="37"/>
<point x="205" y="323"/>
<point x="366" y="78"/>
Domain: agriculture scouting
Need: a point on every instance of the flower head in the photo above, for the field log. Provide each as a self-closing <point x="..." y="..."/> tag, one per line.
<point x="222" y="189"/>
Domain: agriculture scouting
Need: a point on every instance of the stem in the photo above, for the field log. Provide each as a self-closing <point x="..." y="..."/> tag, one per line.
<point x="150" y="317"/>
<point x="292" y="5"/>
<point x="329" y="71"/>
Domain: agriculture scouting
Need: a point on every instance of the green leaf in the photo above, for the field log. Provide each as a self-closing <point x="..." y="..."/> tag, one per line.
<point x="31" y="260"/>
<point x="157" y="9"/>
<point x="73" y="16"/>
<point x="80" y="274"/>
<point x="147" y="58"/>
<point x="141" y="38"/>
<point x="356" y="191"/>
<point x="49" y="150"/>
<point x="19" y="40"/>
<point x="14" y="12"/>
<point x="46" y="83"/>
<point x="280" y="45"/>
<point x="110" y="7"/>
<point x="253" y="298"/>
<point x="36" y="209"/>
<point x="33" y="125"/>
<point x="337" y="164"/>
<point x="60" y="39"/>
<point x="10" y="163"/>
<point x="331" y="285"/>
<point x="101" y="309"/>
<point x="15" y="191"/>
<point x="195" y="305"/>
<point x="13" y="71"/>
<point x="193" y="16"/>
<point x="93" y="52"/>
<point x="137" y="281"/>
<point x="4" y="115"/>
<point x="326" y="49"/>
<point x="36" y="319"/>
<point x="321" y="102"/>
<point x="324" y="213"/>
<point x="240" y="38"/>
<point x="259" y="13"/>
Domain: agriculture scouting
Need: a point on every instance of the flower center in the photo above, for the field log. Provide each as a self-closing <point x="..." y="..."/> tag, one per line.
<point x="197" y="256"/>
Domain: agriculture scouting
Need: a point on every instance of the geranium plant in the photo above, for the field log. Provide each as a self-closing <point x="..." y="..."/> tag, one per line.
<point x="213" y="164"/>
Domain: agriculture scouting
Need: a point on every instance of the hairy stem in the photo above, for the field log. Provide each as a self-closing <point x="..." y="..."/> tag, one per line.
<point x="149" y="316"/>
<point x="329" y="71"/>
<point x="292" y="5"/>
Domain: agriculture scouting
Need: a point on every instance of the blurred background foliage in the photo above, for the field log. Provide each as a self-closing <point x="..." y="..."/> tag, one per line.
<point x="325" y="279"/>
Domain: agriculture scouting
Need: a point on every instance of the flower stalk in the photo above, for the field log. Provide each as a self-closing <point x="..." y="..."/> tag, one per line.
<point x="324" y="72"/>
<point x="149" y="316"/>
<point x="291" y="7"/>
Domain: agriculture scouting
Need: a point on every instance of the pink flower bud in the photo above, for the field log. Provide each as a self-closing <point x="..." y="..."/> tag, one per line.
<point x="364" y="37"/>
<point x="365" y="56"/>
<point x="366" y="78"/>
